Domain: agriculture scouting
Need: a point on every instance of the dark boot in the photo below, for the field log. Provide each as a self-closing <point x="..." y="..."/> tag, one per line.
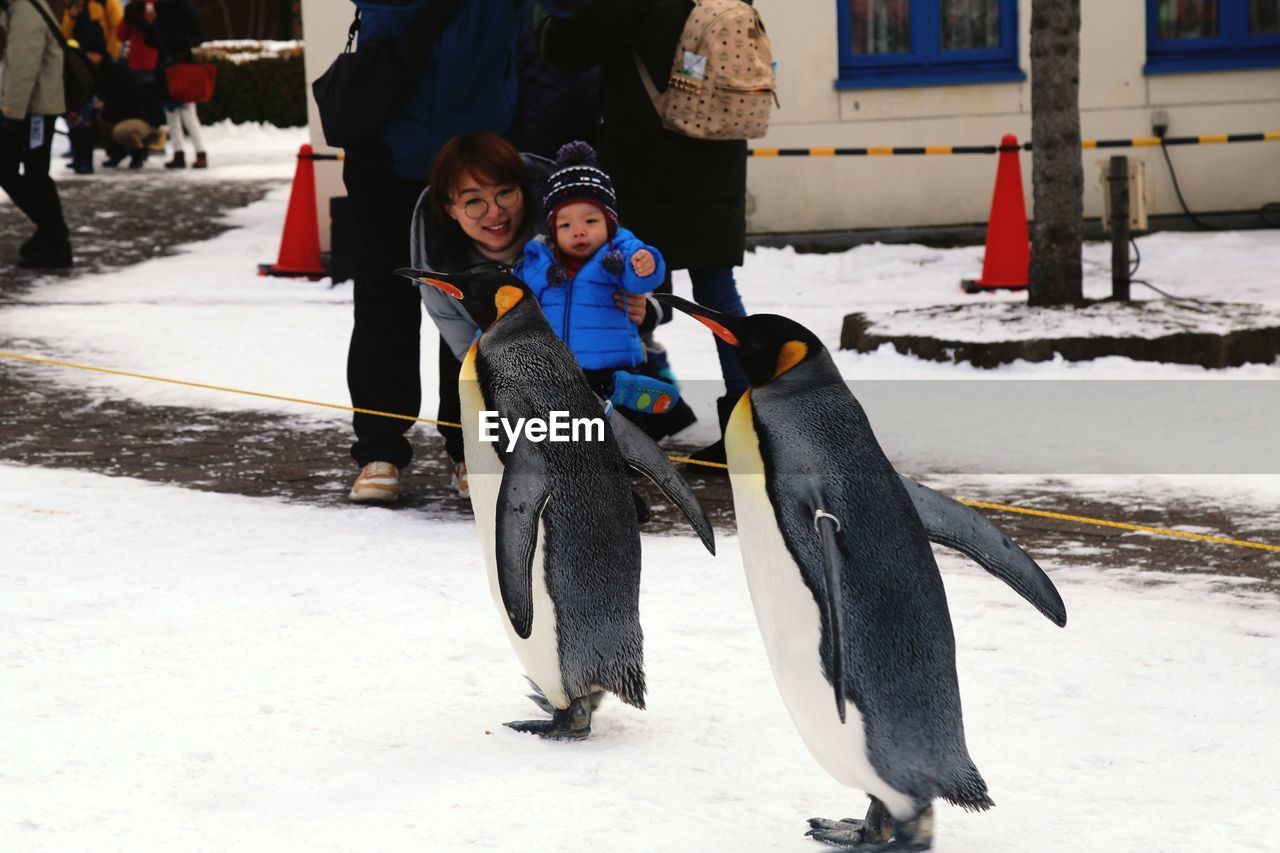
<point x="179" y="161"/>
<point x="714" y="453"/>
<point x="137" y="158"/>
<point x="201" y="162"/>
<point x="49" y="256"/>
<point x="31" y="245"/>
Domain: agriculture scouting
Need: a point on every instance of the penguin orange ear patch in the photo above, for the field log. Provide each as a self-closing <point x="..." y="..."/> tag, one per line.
<point x="721" y="332"/>
<point x="506" y="298"/>
<point x="791" y="354"/>
<point x="443" y="286"/>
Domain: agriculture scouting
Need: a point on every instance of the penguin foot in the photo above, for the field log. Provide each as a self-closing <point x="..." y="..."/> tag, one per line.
<point x="847" y="832"/>
<point x="572" y="723"/>
<point x="851" y="834"/>
<point x="877" y="833"/>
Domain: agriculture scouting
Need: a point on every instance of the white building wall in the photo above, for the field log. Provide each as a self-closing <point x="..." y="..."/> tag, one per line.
<point x="838" y="193"/>
<point x="1116" y="101"/>
<point x="324" y="32"/>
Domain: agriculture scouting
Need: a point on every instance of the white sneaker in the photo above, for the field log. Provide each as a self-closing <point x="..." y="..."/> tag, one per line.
<point x="459" y="481"/>
<point x="379" y="482"/>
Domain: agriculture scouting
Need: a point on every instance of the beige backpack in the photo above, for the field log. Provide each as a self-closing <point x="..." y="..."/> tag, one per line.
<point x="721" y="84"/>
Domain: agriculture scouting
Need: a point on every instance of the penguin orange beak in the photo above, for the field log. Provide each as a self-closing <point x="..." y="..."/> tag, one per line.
<point x="429" y="278"/>
<point x="720" y="324"/>
<point x="442" y="285"/>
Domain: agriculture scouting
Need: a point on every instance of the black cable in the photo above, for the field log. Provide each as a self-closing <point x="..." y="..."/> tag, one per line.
<point x="1177" y="189"/>
<point x="1268" y="210"/>
<point x="1166" y="294"/>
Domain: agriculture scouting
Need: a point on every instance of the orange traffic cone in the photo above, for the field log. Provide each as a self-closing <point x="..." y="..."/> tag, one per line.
<point x="300" y="243"/>
<point x="1007" y="262"/>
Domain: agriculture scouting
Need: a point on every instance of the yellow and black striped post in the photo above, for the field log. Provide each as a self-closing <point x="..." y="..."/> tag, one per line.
<point x="940" y="150"/>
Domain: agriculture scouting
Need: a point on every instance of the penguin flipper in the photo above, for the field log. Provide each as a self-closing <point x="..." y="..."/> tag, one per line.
<point x="522" y="496"/>
<point x="642" y="454"/>
<point x="827" y="526"/>
<point x="954" y="525"/>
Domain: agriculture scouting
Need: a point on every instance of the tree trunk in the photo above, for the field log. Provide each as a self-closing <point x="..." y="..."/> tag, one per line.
<point x="1057" y="176"/>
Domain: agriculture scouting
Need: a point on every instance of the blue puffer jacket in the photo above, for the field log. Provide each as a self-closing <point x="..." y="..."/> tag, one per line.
<point x="582" y="312"/>
<point x="468" y="83"/>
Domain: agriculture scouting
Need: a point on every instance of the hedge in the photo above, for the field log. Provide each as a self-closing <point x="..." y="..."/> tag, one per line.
<point x="268" y="88"/>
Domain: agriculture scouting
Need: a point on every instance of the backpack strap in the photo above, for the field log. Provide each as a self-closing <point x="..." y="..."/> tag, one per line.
<point x="654" y="95"/>
<point x="48" y="19"/>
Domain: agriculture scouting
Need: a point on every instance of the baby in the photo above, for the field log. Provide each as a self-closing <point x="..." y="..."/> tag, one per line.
<point x="577" y="273"/>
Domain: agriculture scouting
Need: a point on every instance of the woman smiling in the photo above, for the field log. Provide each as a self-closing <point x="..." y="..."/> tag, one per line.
<point x="480" y="207"/>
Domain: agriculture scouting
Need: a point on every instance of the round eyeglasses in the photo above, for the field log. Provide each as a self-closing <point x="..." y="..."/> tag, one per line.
<point x="476" y="208"/>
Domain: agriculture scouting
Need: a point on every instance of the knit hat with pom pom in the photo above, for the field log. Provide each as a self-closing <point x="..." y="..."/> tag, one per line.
<point x="578" y="178"/>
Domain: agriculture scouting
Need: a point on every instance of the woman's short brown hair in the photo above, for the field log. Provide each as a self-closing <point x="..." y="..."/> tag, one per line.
<point x="488" y="157"/>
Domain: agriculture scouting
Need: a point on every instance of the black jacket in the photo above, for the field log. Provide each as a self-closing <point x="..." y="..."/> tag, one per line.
<point x="120" y="91"/>
<point x="685" y="196"/>
<point x="175" y="31"/>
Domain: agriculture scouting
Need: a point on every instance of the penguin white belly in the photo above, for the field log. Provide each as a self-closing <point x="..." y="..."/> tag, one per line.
<point x="539" y="653"/>
<point x="791" y="625"/>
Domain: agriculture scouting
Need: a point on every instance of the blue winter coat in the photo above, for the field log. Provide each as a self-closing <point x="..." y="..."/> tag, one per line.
<point x="582" y="311"/>
<point x="468" y="83"/>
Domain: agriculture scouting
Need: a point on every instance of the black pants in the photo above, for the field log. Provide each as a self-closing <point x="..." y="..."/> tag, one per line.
<point x="382" y="362"/>
<point x="24" y="174"/>
<point x="450" y="404"/>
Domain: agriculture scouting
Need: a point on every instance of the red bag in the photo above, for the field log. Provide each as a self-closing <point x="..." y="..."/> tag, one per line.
<point x="191" y="82"/>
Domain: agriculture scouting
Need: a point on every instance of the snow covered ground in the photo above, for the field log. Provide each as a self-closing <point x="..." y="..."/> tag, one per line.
<point x="193" y="671"/>
<point x="186" y="671"/>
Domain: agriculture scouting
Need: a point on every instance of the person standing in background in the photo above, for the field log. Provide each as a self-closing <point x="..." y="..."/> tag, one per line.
<point x="31" y="98"/>
<point x="466" y="82"/>
<point x="664" y="180"/>
<point x="143" y="58"/>
<point x="174" y="31"/>
<point x="102" y="15"/>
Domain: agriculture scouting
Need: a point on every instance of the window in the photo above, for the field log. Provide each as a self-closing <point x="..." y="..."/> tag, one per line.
<point x="885" y="43"/>
<point x="1212" y="35"/>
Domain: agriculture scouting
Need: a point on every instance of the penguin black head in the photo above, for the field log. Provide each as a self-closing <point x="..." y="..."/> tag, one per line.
<point x="767" y="345"/>
<point x="487" y="292"/>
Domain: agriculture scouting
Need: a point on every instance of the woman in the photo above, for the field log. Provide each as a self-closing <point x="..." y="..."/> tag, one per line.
<point x="175" y="30"/>
<point x="479" y="208"/>
<point x="31" y="99"/>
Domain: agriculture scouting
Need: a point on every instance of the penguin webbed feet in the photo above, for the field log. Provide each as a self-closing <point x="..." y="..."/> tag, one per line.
<point x="877" y="833"/>
<point x="572" y="723"/>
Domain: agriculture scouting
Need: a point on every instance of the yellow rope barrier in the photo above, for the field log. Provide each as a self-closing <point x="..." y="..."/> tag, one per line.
<point x="1080" y="519"/>
<point x="260" y="394"/>
<point x="1141" y="528"/>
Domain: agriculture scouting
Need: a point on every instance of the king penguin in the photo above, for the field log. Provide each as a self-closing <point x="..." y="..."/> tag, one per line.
<point x="846" y="591"/>
<point x="556" y="519"/>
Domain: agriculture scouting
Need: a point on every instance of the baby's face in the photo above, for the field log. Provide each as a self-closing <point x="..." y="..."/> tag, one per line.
<point x="581" y="228"/>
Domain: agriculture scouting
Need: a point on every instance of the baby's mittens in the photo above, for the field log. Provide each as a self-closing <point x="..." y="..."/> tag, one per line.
<point x="614" y="262"/>
<point x="643" y="393"/>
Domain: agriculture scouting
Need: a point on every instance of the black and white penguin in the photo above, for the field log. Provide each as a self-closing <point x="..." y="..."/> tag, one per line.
<point x="557" y="520"/>
<point x="845" y="587"/>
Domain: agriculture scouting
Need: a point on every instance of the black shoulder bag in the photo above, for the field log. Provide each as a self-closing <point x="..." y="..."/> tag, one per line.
<point x="364" y="88"/>
<point x="77" y="72"/>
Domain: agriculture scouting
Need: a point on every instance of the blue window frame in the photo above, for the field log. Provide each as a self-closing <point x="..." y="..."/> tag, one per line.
<point x="1212" y="35"/>
<point x="894" y="43"/>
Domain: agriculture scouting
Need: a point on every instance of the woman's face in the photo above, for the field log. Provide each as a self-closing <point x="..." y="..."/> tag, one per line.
<point x="497" y="231"/>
